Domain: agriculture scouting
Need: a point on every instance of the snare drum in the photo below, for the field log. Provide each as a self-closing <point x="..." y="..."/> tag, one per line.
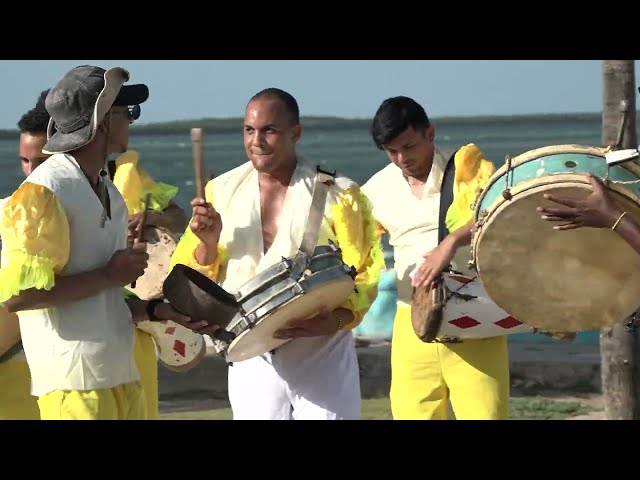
<point x="455" y="308"/>
<point x="276" y="297"/>
<point x="569" y="281"/>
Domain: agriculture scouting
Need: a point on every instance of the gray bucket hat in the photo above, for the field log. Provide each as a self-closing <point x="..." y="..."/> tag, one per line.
<point x="80" y="100"/>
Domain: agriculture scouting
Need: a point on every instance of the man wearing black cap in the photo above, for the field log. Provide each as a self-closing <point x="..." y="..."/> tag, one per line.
<point x="65" y="256"/>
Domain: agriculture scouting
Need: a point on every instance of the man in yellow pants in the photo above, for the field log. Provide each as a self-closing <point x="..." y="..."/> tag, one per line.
<point x="473" y="374"/>
<point x="134" y="182"/>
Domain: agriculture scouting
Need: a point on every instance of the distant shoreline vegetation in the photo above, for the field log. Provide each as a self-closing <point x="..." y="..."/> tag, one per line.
<point x="231" y="125"/>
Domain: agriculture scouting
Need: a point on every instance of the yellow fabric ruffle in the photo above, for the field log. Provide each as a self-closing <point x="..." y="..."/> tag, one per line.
<point x="356" y="235"/>
<point x="473" y="172"/>
<point x="36" y="240"/>
<point x="186" y="248"/>
<point x="134" y="182"/>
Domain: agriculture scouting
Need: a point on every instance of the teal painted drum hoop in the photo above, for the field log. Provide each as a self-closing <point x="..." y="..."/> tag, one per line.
<point x="558" y="281"/>
<point x="555" y="160"/>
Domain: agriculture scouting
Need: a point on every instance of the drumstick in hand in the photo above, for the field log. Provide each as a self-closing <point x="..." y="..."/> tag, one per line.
<point x="196" y="138"/>
<point x="142" y="224"/>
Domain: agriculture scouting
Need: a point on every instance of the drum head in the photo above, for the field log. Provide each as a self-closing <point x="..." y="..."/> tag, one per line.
<point x="160" y="246"/>
<point x="178" y="348"/>
<point x="427" y="311"/>
<point x="259" y="339"/>
<point x="567" y="281"/>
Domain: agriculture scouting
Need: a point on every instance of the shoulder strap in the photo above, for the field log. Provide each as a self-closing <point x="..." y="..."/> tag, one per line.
<point x="111" y="169"/>
<point x="323" y="181"/>
<point x="446" y="196"/>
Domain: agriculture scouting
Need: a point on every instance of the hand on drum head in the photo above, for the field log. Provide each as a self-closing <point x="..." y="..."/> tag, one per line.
<point x="595" y="211"/>
<point x="206" y="222"/>
<point x="325" y="323"/>
<point x="434" y="263"/>
<point x="164" y="311"/>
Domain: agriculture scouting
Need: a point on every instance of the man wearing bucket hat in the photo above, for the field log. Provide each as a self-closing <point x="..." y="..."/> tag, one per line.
<point x="65" y="255"/>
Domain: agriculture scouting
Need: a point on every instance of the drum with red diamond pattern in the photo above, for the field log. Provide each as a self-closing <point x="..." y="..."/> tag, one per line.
<point x="458" y="308"/>
<point x="178" y="348"/>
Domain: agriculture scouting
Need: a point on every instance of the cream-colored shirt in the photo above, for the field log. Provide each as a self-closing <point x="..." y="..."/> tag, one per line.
<point x="412" y="222"/>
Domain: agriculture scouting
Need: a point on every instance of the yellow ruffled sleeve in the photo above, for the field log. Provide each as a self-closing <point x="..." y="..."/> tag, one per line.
<point x="134" y="182"/>
<point x="357" y="235"/>
<point x="35" y="240"/>
<point x="186" y="248"/>
<point x="473" y="173"/>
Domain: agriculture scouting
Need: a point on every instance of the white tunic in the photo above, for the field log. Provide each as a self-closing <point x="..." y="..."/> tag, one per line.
<point x="87" y="344"/>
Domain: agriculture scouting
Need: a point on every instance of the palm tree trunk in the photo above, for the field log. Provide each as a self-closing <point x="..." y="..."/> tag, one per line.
<point x="619" y="345"/>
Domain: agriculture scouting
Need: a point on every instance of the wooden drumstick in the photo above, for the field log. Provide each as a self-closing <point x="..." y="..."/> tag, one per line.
<point x="143" y="223"/>
<point x="196" y="138"/>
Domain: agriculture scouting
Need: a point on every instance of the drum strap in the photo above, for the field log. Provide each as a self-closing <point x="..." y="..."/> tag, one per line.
<point x="316" y="212"/>
<point x="111" y="169"/>
<point x="446" y="196"/>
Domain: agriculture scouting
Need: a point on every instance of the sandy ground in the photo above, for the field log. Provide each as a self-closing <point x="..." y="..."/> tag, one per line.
<point x="207" y="403"/>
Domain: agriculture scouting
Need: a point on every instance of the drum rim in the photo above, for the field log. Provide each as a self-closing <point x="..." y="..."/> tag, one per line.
<point x="278" y="269"/>
<point x="538" y="153"/>
<point x="563" y="178"/>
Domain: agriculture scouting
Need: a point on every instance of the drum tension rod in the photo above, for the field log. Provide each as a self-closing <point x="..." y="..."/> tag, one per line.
<point x="506" y="194"/>
<point x="624" y="108"/>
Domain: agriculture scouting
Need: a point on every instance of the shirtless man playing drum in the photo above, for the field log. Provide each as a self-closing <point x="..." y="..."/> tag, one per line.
<point x="247" y="223"/>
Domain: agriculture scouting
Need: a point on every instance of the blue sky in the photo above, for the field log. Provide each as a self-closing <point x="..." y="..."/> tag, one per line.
<point x="189" y="89"/>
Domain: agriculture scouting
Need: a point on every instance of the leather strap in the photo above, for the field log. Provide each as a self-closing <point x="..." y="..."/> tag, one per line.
<point x="316" y="212"/>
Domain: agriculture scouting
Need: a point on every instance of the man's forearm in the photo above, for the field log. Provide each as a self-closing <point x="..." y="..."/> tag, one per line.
<point x="629" y="230"/>
<point x="206" y="255"/>
<point x="66" y="289"/>
<point x="138" y="309"/>
<point x="462" y="236"/>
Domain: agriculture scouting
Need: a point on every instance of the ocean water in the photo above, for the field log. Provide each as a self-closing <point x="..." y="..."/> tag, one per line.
<point x="351" y="152"/>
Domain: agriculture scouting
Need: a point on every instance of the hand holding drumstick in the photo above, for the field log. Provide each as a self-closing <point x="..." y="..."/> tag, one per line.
<point x="206" y="223"/>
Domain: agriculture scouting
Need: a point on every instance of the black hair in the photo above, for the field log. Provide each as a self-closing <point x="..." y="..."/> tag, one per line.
<point x="290" y="103"/>
<point x="36" y="119"/>
<point x="394" y="116"/>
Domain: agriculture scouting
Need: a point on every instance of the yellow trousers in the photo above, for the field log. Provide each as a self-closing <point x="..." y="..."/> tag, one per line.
<point x="124" y="402"/>
<point x="144" y="351"/>
<point x="16" y="401"/>
<point x="473" y="375"/>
